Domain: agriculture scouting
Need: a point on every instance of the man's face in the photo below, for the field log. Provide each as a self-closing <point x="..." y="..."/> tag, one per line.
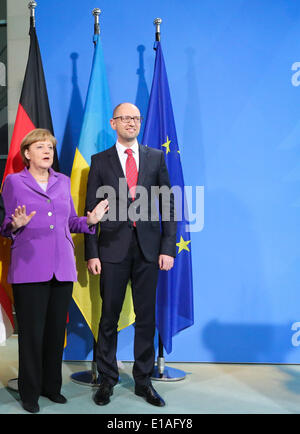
<point x="126" y="131"/>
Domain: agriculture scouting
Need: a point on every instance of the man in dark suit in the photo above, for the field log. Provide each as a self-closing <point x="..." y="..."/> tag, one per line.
<point x="131" y="246"/>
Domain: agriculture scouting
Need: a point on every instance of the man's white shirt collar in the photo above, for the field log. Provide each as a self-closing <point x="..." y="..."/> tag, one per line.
<point x="123" y="156"/>
<point x="121" y="148"/>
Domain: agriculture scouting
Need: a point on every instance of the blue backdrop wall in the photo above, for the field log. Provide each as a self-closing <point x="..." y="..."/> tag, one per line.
<point x="233" y="75"/>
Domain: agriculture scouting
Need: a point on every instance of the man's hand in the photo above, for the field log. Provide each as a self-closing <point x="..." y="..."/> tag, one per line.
<point x="165" y="262"/>
<point x="94" y="266"/>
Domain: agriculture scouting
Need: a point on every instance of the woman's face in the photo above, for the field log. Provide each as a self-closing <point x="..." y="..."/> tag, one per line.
<point x="40" y="154"/>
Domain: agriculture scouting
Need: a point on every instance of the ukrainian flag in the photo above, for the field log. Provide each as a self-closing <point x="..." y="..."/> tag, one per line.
<point x="96" y="135"/>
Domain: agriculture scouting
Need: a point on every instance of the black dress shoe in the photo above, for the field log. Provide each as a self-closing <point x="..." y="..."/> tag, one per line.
<point x="32" y="408"/>
<point x="103" y="394"/>
<point x="55" y="397"/>
<point x="150" y="394"/>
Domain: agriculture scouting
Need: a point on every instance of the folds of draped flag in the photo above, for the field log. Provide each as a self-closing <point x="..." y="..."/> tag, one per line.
<point x="96" y="136"/>
<point x="174" y="310"/>
<point x="33" y="112"/>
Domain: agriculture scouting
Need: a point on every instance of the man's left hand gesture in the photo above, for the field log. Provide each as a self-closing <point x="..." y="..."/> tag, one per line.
<point x="165" y="262"/>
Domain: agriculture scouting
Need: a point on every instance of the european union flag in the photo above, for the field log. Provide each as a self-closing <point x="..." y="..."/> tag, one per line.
<point x="174" y="311"/>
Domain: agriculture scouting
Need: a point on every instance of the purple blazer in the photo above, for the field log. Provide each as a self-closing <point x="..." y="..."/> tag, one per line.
<point x="44" y="247"/>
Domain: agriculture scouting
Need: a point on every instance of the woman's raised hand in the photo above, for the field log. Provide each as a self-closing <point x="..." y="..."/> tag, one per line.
<point x="20" y="218"/>
<point x="98" y="212"/>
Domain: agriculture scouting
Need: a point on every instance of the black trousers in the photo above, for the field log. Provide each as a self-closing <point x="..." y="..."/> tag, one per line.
<point x="41" y="310"/>
<point x="113" y="283"/>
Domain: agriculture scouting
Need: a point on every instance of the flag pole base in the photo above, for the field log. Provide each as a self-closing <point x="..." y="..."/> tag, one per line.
<point x="165" y="373"/>
<point x="87" y="378"/>
<point x="169" y="374"/>
<point x="13" y="384"/>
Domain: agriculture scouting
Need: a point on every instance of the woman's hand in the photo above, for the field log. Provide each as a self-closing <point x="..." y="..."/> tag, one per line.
<point x="20" y="218"/>
<point x="98" y="212"/>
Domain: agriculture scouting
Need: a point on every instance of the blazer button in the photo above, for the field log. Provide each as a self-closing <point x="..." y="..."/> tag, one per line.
<point x="51" y="226"/>
<point x="49" y="213"/>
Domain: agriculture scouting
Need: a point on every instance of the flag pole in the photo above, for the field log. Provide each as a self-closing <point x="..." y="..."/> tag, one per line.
<point x="160" y="371"/>
<point x="13" y="383"/>
<point x="96" y="12"/>
<point x="90" y="378"/>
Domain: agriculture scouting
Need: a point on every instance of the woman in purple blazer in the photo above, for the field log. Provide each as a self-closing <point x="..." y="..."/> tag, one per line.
<point x="40" y="217"/>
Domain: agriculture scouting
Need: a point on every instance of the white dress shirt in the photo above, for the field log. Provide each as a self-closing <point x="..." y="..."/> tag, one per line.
<point x="123" y="156"/>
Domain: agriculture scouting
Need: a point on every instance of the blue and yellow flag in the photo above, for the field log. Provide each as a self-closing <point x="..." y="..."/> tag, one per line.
<point x="96" y="135"/>
<point x="174" y="310"/>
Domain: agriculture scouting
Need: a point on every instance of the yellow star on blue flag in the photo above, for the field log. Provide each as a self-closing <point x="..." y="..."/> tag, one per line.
<point x="167" y="145"/>
<point x="183" y="245"/>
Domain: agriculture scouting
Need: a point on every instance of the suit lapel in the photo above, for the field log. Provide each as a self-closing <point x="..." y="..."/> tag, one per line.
<point x="143" y="154"/>
<point x="118" y="171"/>
<point x="29" y="180"/>
<point x="53" y="178"/>
<point x="115" y="163"/>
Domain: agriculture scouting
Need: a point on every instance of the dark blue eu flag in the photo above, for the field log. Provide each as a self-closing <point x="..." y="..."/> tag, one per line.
<point x="174" y="311"/>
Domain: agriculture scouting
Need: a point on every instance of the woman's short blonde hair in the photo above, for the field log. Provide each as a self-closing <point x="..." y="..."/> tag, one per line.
<point x="36" y="135"/>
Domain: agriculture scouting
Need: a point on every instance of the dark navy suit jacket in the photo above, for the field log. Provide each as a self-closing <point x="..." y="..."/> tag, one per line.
<point x="155" y="238"/>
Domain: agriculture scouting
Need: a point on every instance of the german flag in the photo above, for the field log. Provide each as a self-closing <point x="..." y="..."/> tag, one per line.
<point x="33" y="112"/>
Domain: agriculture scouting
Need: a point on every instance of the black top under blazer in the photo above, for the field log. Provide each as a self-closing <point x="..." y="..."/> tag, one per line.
<point x="2" y="210"/>
<point x="155" y="238"/>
